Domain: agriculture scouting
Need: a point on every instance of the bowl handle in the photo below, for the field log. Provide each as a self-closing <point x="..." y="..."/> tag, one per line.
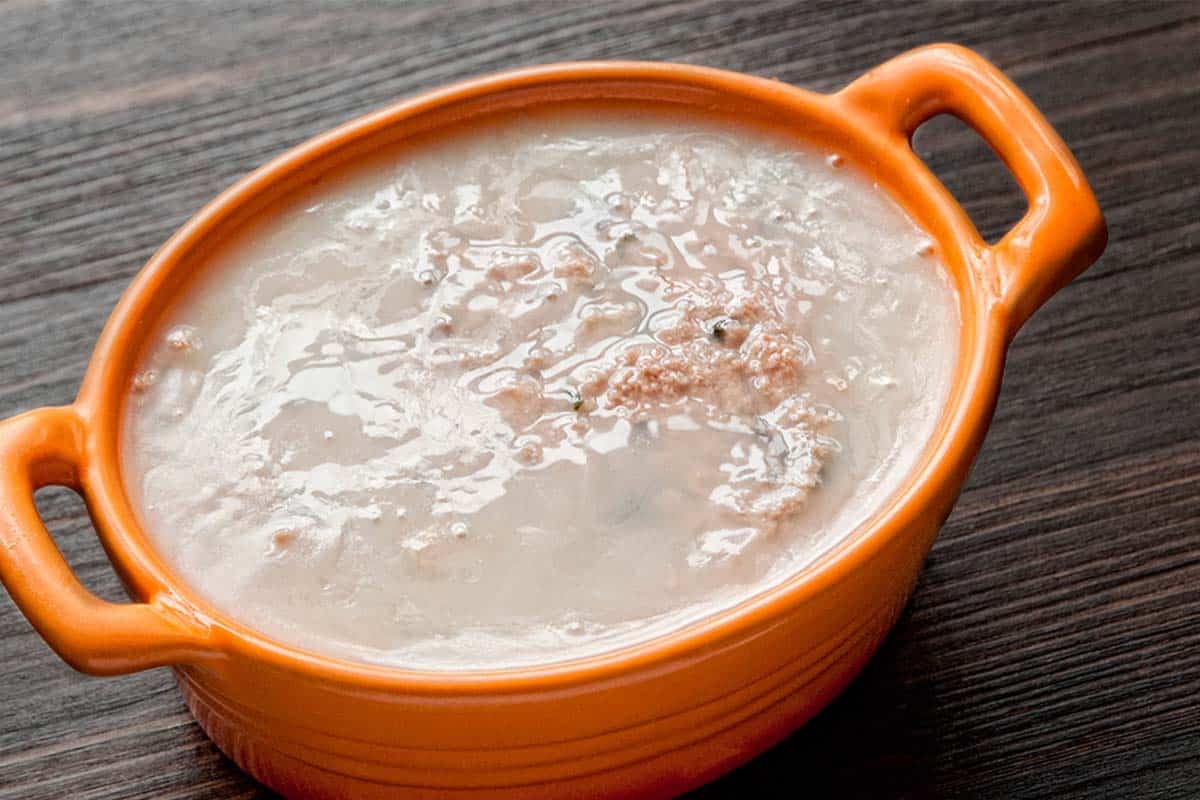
<point x="44" y="448"/>
<point x="1063" y="232"/>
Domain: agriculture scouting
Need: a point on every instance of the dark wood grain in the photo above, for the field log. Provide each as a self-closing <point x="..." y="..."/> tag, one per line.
<point x="1053" y="646"/>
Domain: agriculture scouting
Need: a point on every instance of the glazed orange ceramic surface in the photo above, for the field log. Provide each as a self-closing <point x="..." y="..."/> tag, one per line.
<point x="651" y="718"/>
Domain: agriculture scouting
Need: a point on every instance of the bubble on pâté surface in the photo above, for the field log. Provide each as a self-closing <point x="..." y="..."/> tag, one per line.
<point x="183" y="339"/>
<point x="144" y="380"/>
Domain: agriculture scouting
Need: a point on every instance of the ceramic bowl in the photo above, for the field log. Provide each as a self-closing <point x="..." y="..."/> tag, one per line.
<point x="651" y="720"/>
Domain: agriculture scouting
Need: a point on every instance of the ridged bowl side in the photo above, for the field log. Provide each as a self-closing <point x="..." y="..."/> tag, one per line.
<point x="671" y="756"/>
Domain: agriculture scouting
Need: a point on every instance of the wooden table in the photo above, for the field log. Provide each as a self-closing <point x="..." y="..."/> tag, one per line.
<point x="1053" y="646"/>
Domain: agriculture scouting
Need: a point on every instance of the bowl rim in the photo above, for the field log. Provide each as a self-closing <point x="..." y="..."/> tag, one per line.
<point x="945" y="459"/>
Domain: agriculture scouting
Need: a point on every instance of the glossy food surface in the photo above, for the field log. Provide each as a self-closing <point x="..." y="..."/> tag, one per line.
<point x="553" y="384"/>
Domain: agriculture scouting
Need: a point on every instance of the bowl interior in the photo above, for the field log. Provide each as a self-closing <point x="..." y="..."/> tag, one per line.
<point x="814" y="120"/>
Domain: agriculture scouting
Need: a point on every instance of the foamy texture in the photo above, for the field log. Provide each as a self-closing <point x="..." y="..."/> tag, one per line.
<point x="538" y="390"/>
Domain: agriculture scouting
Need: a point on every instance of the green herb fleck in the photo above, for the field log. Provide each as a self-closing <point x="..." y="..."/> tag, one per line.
<point x="575" y="398"/>
<point x="720" y="327"/>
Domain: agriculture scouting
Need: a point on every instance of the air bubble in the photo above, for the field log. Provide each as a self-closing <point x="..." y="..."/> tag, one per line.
<point x="835" y="160"/>
<point x="144" y="380"/>
<point x="621" y="203"/>
<point x="529" y="453"/>
<point x="183" y="338"/>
